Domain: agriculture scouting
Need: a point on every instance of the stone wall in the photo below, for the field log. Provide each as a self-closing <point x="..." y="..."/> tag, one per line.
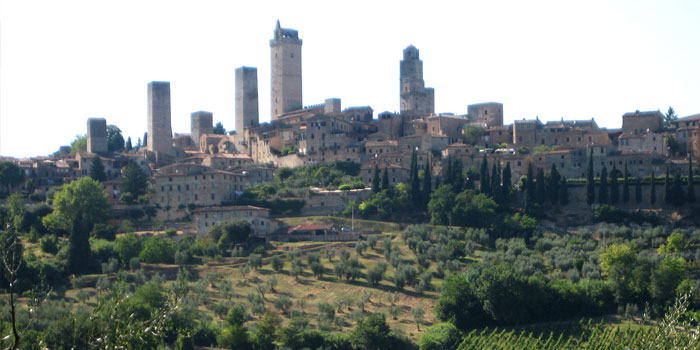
<point x="97" y="135"/>
<point x="201" y="122"/>
<point x="247" y="114"/>
<point x="160" y="136"/>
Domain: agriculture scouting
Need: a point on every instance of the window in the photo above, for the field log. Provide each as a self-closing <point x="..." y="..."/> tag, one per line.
<point x="212" y="196"/>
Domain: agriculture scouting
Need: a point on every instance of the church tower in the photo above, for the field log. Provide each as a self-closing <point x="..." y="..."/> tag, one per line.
<point x="286" y="71"/>
<point x="415" y="97"/>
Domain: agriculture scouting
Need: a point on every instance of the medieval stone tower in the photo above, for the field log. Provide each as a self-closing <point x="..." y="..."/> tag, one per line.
<point x="201" y="122"/>
<point x="247" y="98"/>
<point x="160" y="134"/>
<point x="97" y="135"/>
<point x="286" y="71"/>
<point x="415" y="97"/>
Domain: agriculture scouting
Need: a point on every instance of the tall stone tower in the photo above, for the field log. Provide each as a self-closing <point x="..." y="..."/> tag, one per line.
<point x="286" y="71"/>
<point x="201" y="122"/>
<point x="246" y="98"/>
<point x="97" y="135"/>
<point x="160" y="134"/>
<point x="415" y="97"/>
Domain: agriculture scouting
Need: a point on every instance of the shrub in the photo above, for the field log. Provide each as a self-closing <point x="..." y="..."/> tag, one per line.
<point x="49" y="244"/>
<point x="442" y="336"/>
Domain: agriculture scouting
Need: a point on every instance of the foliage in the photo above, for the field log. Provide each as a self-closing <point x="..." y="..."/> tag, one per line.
<point x="157" y="250"/>
<point x="472" y="133"/>
<point x="85" y="199"/>
<point x="441" y="336"/>
<point x="135" y="183"/>
<point x="10" y="175"/>
<point x="79" y="144"/>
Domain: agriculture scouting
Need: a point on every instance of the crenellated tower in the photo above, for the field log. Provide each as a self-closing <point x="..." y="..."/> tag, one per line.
<point x="286" y="71"/>
<point x="415" y="97"/>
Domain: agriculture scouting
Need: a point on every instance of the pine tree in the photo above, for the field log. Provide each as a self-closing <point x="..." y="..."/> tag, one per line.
<point x="540" y="187"/>
<point x="375" y="179"/>
<point x="97" y="169"/>
<point x="590" y="181"/>
<point x="507" y="179"/>
<point x="603" y="188"/>
<point x="385" y="179"/>
<point x="563" y="191"/>
<point x="128" y="144"/>
<point x="553" y="184"/>
<point x="667" y="188"/>
<point x="690" y="196"/>
<point x="638" y="190"/>
<point x="484" y="180"/>
<point x="458" y="180"/>
<point x="614" y="187"/>
<point x="626" y="187"/>
<point x="652" y="196"/>
<point x="427" y="184"/>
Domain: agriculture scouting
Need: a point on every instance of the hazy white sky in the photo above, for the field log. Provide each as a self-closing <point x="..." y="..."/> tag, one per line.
<point x="62" y="62"/>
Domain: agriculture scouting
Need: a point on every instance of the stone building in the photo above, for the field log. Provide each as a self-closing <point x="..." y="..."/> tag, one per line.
<point x="486" y="114"/>
<point x="201" y="123"/>
<point x="97" y="135"/>
<point x="416" y="99"/>
<point x="160" y="135"/>
<point x="258" y="218"/>
<point x="286" y="84"/>
<point x="247" y="114"/>
<point x="635" y="123"/>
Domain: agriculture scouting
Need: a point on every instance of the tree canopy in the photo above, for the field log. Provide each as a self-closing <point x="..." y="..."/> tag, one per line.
<point x="84" y="197"/>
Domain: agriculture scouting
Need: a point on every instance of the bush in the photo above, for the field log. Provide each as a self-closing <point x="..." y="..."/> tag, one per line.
<point x="157" y="250"/>
<point x="49" y="244"/>
<point x="442" y="336"/>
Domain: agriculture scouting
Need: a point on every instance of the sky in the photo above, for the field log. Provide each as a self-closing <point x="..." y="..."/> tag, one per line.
<point x="62" y="62"/>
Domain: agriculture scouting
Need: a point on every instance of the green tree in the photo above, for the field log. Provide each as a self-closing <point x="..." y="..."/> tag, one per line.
<point x="460" y="304"/>
<point x="603" y="193"/>
<point x="97" y="169"/>
<point x="115" y="140"/>
<point x="690" y="196"/>
<point x="614" y="186"/>
<point x="552" y="181"/>
<point x="134" y="184"/>
<point x="375" y="179"/>
<point x="79" y="244"/>
<point x="427" y="183"/>
<point x="652" y="196"/>
<point x="449" y="174"/>
<point x="10" y="175"/>
<point x="590" y="181"/>
<point x="672" y="144"/>
<point x="264" y="335"/>
<point x="678" y="197"/>
<point x="638" y="190"/>
<point x="414" y="183"/>
<point x="667" y="188"/>
<point x="440" y="206"/>
<point x="540" y="187"/>
<point x="626" y="186"/>
<point x="128" y="246"/>
<point x="84" y="198"/>
<point x="529" y="185"/>
<point x="219" y="129"/>
<point x="563" y="191"/>
<point x="617" y="262"/>
<point x="371" y="333"/>
<point x="145" y="139"/>
<point x="496" y="188"/>
<point x="665" y="279"/>
<point x="157" y="250"/>
<point x="385" y="179"/>
<point x="507" y="180"/>
<point x="458" y="176"/>
<point x="79" y="144"/>
<point x="484" y="181"/>
<point x="473" y="133"/>
<point x="669" y="117"/>
<point x="441" y="336"/>
<point x="473" y="210"/>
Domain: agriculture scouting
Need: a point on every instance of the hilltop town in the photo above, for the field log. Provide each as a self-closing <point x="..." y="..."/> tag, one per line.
<point x="191" y="172"/>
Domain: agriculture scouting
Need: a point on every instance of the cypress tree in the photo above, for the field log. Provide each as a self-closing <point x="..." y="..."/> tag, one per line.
<point x="375" y="179"/>
<point x="437" y="181"/>
<point x="563" y="191"/>
<point x="677" y="189"/>
<point x="691" y="182"/>
<point x="458" y="180"/>
<point x="385" y="179"/>
<point x="667" y="188"/>
<point x="128" y="144"/>
<point x="507" y="178"/>
<point x="603" y="188"/>
<point x="496" y="190"/>
<point x="614" y="186"/>
<point x="427" y="184"/>
<point x="79" y="246"/>
<point x="540" y="188"/>
<point x="529" y="185"/>
<point x="449" y="174"/>
<point x="145" y="139"/>
<point x="553" y="184"/>
<point x="638" y="190"/>
<point x="626" y="187"/>
<point x="415" y="185"/>
<point x="590" y="181"/>
<point x="652" y="197"/>
<point x="484" y="178"/>
<point x="97" y="169"/>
